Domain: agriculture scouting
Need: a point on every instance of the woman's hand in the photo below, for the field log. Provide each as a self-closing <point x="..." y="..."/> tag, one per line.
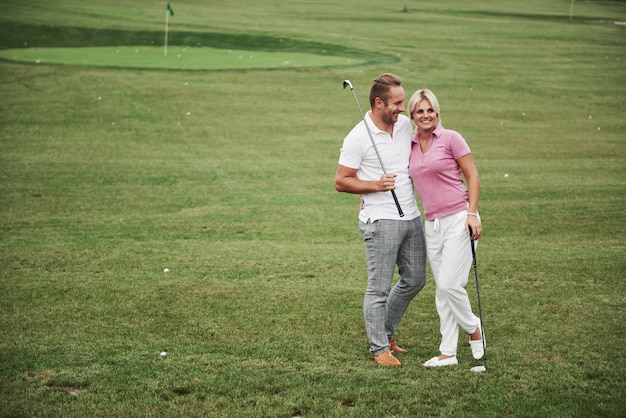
<point x="473" y="222"/>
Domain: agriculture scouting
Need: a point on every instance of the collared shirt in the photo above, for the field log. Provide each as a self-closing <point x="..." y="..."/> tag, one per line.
<point x="437" y="175"/>
<point x="358" y="153"/>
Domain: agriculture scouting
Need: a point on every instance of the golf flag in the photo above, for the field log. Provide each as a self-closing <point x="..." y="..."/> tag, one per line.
<point x="168" y="12"/>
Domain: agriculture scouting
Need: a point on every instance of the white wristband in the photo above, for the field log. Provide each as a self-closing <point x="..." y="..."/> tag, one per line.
<point x="472" y="214"/>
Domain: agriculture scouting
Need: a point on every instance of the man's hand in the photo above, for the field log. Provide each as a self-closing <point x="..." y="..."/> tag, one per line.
<point x="387" y="182"/>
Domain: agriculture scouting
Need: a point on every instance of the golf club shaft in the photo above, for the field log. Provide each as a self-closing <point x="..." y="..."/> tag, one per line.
<point x="380" y="160"/>
<point x="480" y="311"/>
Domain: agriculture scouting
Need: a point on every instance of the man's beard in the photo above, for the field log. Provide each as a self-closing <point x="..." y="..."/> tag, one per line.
<point x="390" y="118"/>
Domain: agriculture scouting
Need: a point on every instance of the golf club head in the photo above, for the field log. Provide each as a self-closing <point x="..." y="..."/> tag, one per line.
<point x="347" y="83"/>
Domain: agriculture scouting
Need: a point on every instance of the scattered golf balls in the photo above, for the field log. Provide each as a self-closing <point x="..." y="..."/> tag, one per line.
<point x="506" y="175"/>
<point x="163" y="354"/>
<point x="188" y="113"/>
<point x="166" y="270"/>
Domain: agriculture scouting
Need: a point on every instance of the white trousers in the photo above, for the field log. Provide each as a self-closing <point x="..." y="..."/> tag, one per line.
<point x="450" y="257"/>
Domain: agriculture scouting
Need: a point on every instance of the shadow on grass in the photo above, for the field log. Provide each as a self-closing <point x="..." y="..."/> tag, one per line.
<point x="563" y="17"/>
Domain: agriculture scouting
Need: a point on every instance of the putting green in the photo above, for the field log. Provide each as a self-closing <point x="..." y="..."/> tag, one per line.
<point x="178" y="58"/>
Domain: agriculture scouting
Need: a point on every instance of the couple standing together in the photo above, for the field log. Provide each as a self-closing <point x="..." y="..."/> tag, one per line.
<point x="431" y="159"/>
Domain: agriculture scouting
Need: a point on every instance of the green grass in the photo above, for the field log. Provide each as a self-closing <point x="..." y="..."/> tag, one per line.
<point x="110" y="175"/>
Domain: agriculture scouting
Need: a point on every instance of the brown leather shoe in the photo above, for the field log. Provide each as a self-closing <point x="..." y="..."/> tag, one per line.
<point x="387" y="359"/>
<point x="395" y="348"/>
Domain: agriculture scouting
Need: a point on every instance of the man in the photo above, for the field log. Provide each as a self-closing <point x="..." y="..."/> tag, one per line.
<point x="390" y="239"/>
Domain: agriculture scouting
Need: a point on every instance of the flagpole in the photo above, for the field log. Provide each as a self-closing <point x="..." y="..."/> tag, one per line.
<point x="571" y="10"/>
<point x="167" y="18"/>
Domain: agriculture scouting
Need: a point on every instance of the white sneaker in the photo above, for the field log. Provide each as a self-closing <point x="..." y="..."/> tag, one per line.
<point x="435" y="362"/>
<point x="478" y="349"/>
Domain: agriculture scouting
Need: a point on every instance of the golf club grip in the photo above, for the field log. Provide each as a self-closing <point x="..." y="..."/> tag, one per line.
<point x="472" y="245"/>
<point x="395" y="199"/>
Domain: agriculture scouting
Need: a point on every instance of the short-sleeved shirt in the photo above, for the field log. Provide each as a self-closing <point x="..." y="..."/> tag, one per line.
<point x="437" y="175"/>
<point x="358" y="153"/>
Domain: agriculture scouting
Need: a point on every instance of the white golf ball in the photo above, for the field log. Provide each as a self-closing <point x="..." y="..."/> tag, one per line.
<point x="506" y="175"/>
<point x="163" y="354"/>
<point x="166" y="270"/>
<point x="188" y="113"/>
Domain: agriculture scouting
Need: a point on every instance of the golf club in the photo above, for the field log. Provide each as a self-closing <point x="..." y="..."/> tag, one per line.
<point x="347" y="83"/>
<point x="480" y="311"/>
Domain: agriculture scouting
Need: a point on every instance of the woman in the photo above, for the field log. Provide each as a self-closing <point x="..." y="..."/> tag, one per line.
<point x="438" y="157"/>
